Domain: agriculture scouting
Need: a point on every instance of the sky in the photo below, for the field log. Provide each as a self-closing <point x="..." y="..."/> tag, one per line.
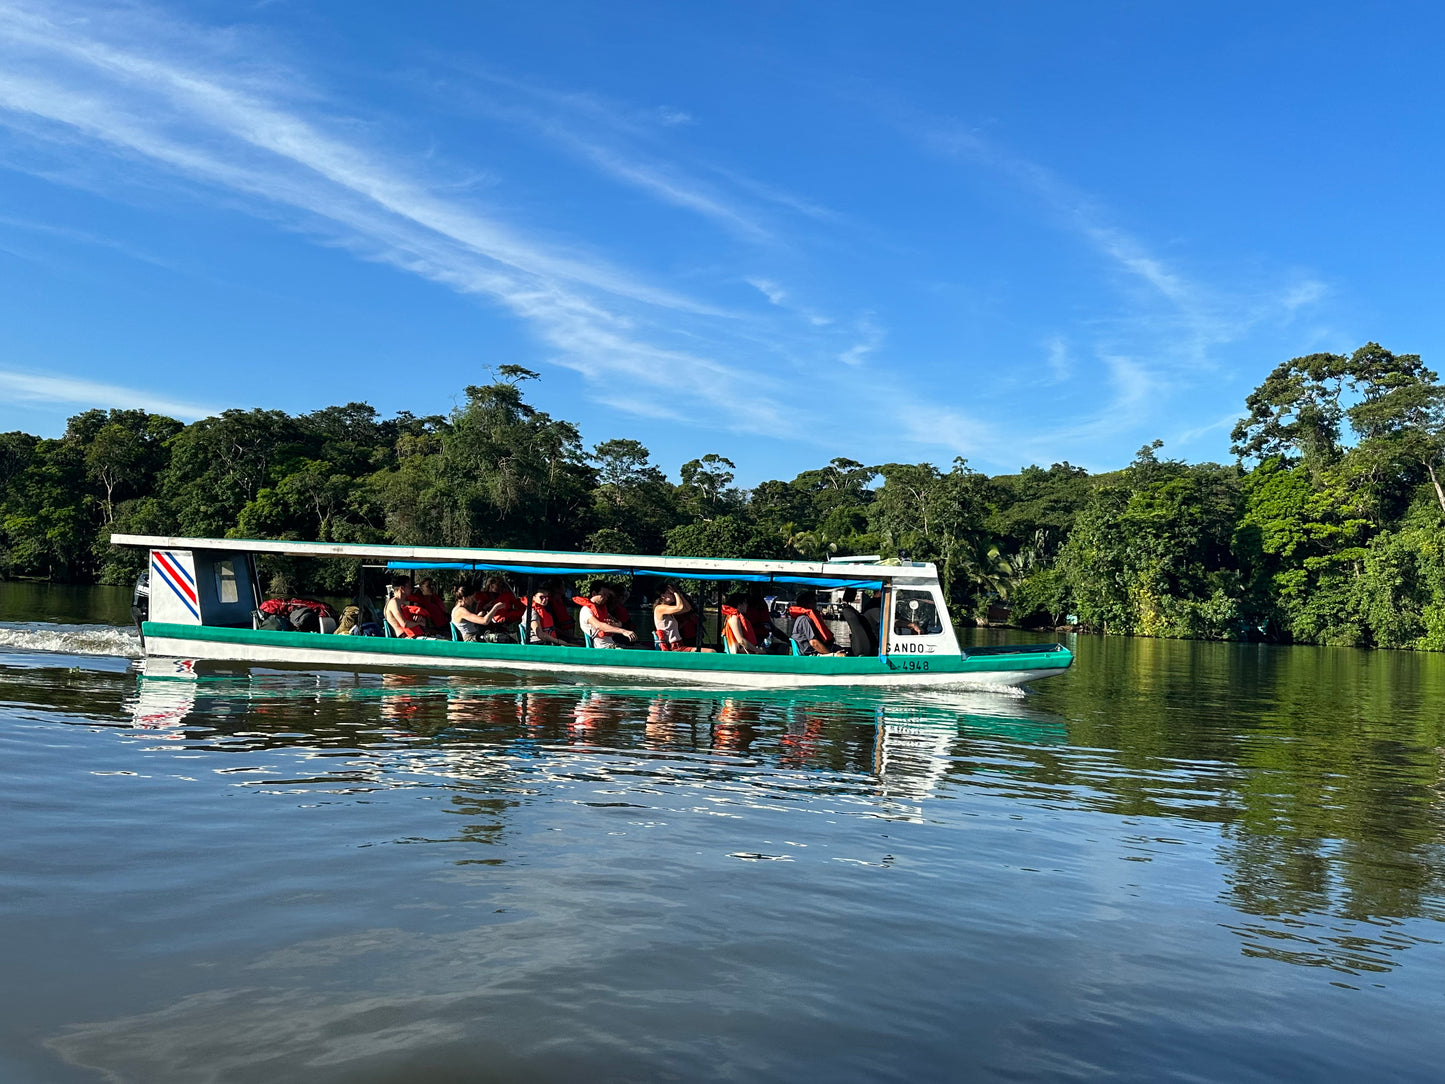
<point x="1014" y="233"/>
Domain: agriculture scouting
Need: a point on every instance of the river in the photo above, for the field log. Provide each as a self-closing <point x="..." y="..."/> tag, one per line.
<point x="1179" y="861"/>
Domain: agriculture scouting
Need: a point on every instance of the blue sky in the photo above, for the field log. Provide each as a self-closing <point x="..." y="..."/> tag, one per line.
<point x="1016" y="233"/>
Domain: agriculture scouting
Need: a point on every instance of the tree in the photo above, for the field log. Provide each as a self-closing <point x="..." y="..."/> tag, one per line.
<point x="705" y="485"/>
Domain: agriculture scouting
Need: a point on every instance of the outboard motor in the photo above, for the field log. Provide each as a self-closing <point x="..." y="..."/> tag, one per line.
<point x="140" y="603"/>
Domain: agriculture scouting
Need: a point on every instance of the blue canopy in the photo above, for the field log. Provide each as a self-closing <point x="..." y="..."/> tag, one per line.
<point x="739" y="577"/>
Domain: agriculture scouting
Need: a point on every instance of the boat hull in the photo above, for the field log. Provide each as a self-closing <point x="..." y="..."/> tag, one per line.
<point x="317" y="650"/>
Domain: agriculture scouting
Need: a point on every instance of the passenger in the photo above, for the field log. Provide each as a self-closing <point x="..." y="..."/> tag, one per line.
<point x="809" y="632"/>
<point x="465" y="616"/>
<point x="405" y="616"/>
<point x="431" y="600"/>
<point x="617" y="605"/>
<point x="668" y="614"/>
<point x="770" y="638"/>
<point x="740" y="632"/>
<point x="543" y="622"/>
<point x="872" y="611"/>
<point x="596" y="620"/>
<point x="501" y="612"/>
<point x="565" y="627"/>
<point x="860" y="639"/>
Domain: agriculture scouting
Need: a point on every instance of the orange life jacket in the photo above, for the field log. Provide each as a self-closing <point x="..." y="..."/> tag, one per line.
<point x="823" y="633"/>
<point x="599" y="613"/>
<point x="749" y="633"/>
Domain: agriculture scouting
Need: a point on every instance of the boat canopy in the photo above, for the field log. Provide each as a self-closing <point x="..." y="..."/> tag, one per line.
<point x="841" y="573"/>
<point x="552" y="570"/>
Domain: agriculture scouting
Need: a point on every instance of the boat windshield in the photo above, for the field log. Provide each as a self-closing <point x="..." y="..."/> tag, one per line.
<point x="914" y="614"/>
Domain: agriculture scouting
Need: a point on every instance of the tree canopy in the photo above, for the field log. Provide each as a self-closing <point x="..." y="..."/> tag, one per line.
<point x="1327" y="530"/>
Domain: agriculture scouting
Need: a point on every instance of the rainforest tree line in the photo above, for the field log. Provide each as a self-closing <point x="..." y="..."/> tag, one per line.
<point x="1328" y="529"/>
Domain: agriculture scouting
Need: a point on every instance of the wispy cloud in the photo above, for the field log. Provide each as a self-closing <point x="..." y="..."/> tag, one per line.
<point x="624" y="144"/>
<point x="870" y="338"/>
<point x="1188" y="436"/>
<point x="1177" y="321"/>
<point x="1059" y="362"/>
<point x="110" y="82"/>
<point x="28" y="387"/>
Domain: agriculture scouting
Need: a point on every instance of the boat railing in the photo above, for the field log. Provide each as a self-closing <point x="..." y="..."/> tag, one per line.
<point x="1012" y="649"/>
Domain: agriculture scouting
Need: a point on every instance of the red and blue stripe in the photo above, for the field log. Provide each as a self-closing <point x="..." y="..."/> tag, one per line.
<point x="170" y="569"/>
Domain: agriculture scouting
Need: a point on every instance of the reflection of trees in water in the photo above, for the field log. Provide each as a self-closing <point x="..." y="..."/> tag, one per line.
<point x="1321" y="767"/>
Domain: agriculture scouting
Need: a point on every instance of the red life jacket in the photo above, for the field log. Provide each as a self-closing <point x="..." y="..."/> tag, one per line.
<point x="512" y="611"/>
<point x="543" y="616"/>
<point x="749" y="633"/>
<point x="436" y="614"/>
<point x="620" y="616"/>
<point x="687" y="623"/>
<point x="286" y="605"/>
<point x="561" y="615"/>
<point x="823" y="633"/>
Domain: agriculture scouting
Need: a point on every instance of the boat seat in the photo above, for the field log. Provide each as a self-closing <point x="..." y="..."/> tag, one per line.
<point x="386" y="629"/>
<point x="794" y="645"/>
<point x="730" y="640"/>
<point x="456" y="632"/>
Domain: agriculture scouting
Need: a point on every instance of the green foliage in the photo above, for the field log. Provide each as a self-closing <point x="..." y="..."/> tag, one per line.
<point x="1334" y="534"/>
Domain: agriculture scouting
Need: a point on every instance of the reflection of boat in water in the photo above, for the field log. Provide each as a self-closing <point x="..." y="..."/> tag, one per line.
<point x="454" y="702"/>
<point x="896" y="746"/>
<point x="204" y="602"/>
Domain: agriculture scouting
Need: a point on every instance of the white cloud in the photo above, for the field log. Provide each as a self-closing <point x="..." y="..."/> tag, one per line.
<point x="233" y="135"/>
<point x="769" y="289"/>
<point x="1060" y="365"/>
<point x="34" y="388"/>
<point x="870" y="339"/>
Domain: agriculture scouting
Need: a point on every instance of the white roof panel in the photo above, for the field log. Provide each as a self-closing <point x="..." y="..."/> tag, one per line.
<point x="560" y="560"/>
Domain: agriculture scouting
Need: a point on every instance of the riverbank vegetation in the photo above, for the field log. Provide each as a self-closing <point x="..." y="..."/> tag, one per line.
<point x="1328" y="529"/>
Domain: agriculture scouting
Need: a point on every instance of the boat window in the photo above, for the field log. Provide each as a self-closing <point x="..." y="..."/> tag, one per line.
<point x="914" y="614"/>
<point x="226" y="589"/>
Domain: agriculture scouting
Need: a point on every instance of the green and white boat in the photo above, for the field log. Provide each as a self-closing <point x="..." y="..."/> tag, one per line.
<point x="205" y="600"/>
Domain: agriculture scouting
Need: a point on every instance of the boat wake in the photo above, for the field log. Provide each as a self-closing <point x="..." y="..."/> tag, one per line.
<point x="70" y="639"/>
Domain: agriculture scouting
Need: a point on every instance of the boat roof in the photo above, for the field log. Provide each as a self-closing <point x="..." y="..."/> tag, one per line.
<point x="844" y="572"/>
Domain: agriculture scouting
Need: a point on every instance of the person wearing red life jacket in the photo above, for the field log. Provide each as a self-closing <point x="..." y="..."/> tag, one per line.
<point x="430" y="599"/>
<point x="566" y="628"/>
<point x="740" y="631"/>
<point x="596" y="619"/>
<point x="501" y="611"/>
<point x="543" y="629"/>
<point x="617" y="597"/>
<point x="403" y="613"/>
<point x="809" y="632"/>
<point x="762" y="621"/>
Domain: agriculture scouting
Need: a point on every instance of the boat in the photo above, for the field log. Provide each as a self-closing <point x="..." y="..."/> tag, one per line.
<point x="204" y="602"/>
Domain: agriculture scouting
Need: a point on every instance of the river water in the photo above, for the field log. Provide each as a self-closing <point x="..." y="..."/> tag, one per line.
<point x="1179" y="861"/>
